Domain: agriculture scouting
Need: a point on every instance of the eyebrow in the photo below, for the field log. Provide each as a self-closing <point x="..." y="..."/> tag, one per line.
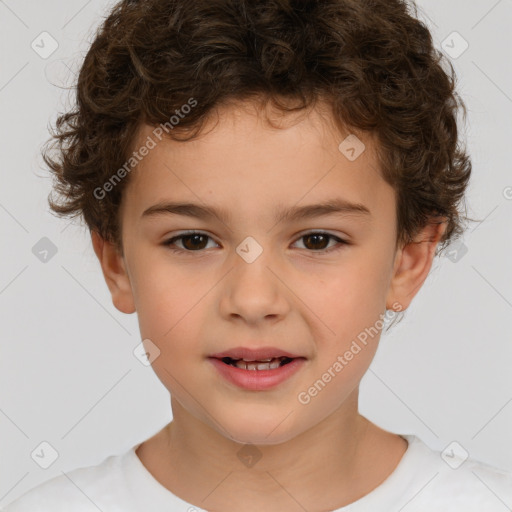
<point x="283" y="214"/>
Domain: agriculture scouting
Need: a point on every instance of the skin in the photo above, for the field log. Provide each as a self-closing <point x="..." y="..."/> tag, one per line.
<point x="319" y="456"/>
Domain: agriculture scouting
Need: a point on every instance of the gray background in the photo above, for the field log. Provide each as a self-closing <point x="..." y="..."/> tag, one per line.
<point x="68" y="375"/>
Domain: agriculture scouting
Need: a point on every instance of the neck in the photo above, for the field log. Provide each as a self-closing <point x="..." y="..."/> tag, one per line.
<point x="323" y="463"/>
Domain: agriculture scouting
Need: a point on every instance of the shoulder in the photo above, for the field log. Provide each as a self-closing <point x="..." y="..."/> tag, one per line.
<point x="451" y="477"/>
<point x="86" y="489"/>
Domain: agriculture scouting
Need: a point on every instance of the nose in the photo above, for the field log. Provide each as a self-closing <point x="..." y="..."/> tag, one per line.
<point x="254" y="291"/>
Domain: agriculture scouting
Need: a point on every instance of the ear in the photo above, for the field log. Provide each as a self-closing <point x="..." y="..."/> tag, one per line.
<point x="412" y="265"/>
<point x="114" y="272"/>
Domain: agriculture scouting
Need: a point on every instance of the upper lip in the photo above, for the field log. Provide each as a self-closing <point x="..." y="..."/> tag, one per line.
<point x="254" y="354"/>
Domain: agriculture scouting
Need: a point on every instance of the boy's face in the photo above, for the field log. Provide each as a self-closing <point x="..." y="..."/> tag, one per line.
<point x="292" y="297"/>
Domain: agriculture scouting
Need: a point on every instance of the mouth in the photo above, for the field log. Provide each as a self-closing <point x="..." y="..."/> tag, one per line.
<point x="261" y="354"/>
<point x="270" y="363"/>
<point x="257" y="369"/>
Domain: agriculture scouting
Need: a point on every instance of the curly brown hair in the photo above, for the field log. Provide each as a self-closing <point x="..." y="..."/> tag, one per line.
<point x="372" y="61"/>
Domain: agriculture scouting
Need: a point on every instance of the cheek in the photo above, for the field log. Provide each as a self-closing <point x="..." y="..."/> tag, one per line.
<point x="165" y="310"/>
<point x="350" y="307"/>
<point x="348" y="299"/>
<point x="163" y="292"/>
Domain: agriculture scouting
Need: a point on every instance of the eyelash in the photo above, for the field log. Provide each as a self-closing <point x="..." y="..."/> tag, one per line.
<point x="341" y="242"/>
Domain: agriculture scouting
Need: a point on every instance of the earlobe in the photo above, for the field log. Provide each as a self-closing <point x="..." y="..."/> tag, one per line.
<point x="412" y="265"/>
<point x="114" y="272"/>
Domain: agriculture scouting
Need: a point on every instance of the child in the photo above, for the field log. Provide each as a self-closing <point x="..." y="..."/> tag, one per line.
<point x="266" y="183"/>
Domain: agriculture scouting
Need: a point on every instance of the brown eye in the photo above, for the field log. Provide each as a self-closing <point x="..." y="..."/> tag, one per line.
<point x="191" y="242"/>
<point x="194" y="242"/>
<point x="319" y="241"/>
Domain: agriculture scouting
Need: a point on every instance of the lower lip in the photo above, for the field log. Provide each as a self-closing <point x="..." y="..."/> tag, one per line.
<point x="258" y="380"/>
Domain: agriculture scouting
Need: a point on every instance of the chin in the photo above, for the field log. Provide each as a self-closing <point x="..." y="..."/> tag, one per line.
<point x="260" y="430"/>
<point x="261" y="439"/>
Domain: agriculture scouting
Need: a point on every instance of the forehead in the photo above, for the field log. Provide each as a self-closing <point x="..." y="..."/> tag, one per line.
<point x="241" y="160"/>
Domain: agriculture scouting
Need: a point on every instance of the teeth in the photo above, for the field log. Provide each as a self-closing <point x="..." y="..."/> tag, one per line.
<point x="259" y="360"/>
<point x="270" y="364"/>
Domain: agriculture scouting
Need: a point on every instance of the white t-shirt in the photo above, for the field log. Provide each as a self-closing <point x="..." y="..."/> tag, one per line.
<point x="422" y="482"/>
